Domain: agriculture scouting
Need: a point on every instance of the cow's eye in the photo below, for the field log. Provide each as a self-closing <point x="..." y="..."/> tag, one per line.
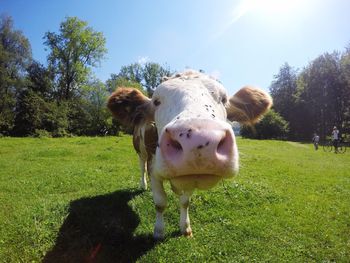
<point x="156" y="102"/>
<point x="224" y="99"/>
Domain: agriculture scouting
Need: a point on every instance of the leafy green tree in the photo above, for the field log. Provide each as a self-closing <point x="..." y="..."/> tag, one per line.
<point x="15" y="55"/>
<point x="119" y="81"/>
<point x="149" y="75"/>
<point x="317" y="98"/>
<point x="40" y="80"/>
<point x="34" y="113"/>
<point x="96" y="96"/>
<point x="132" y="72"/>
<point x="153" y="74"/>
<point x="79" y="118"/>
<point x="345" y="71"/>
<point x="30" y="109"/>
<point x="272" y="126"/>
<point x="283" y="90"/>
<point x="88" y="114"/>
<point x="321" y="94"/>
<point x="34" y="104"/>
<point x="73" y="51"/>
<point x="55" y="119"/>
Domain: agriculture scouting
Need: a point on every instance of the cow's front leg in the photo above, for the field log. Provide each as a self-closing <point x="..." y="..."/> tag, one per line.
<point x="160" y="201"/>
<point x="143" y="173"/>
<point x="185" y="226"/>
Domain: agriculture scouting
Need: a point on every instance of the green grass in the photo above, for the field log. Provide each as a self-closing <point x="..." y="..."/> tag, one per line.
<point x="61" y="198"/>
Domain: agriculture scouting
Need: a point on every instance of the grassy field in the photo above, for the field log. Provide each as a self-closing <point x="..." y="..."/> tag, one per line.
<point x="77" y="200"/>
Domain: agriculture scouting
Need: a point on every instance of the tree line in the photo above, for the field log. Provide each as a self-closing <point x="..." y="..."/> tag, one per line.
<point x="307" y="101"/>
<point x="63" y="98"/>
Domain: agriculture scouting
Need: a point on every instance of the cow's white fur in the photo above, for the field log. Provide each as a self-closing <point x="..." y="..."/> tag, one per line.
<point x="187" y="99"/>
<point x="160" y="201"/>
<point x="143" y="168"/>
<point x="185" y="226"/>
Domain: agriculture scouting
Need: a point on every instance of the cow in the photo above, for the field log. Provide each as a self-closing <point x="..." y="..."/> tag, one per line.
<point x="181" y="135"/>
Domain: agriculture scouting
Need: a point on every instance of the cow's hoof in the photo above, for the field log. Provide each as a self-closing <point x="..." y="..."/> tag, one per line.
<point x="143" y="185"/>
<point x="158" y="235"/>
<point x="188" y="233"/>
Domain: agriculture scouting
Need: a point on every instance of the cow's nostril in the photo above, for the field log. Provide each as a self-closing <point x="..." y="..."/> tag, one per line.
<point x="171" y="148"/>
<point x="226" y="144"/>
<point x="221" y="143"/>
<point x="175" y="144"/>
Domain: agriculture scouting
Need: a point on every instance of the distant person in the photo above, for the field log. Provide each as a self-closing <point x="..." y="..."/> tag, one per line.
<point x="335" y="139"/>
<point x="316" y="140"/>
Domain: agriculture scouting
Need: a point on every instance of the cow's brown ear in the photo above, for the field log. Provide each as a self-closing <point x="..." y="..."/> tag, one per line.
<point x="124" y="104"/>
<point x="248" y="105"/>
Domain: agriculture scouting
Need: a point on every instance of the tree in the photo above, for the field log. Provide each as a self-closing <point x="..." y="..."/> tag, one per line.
<point x="272" y="126"/>
<point x="30" y="108"/>
<point x="149" y="75"/>
<point x="153" y="74"/>
<point x="96" y="95"/>
<point x="119" y="81"/>
<point x="321" y="95"/>
<point x="15" y="54"/>
<point x="35" y="114"/>
<point x="345" y="74"/>
<point x="40" y="80"/>
<point x="74" y="50"/>
<point x="317" y="98"/>
<point x="283" y="90"/>
<point x="132" y="72"/>
<point x="36" y="110"/>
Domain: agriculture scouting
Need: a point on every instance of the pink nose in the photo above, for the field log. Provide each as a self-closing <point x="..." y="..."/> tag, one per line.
<point x="198" y="146"/>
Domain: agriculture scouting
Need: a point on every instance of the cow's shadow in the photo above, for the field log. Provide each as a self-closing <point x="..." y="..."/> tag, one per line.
<point x="100" y="229"/>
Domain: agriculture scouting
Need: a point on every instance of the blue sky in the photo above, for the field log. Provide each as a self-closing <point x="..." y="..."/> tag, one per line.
<point x="239" y="41"/>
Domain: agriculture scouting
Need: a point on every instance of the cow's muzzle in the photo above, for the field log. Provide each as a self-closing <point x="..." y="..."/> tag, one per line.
<point x="199" y="146"/>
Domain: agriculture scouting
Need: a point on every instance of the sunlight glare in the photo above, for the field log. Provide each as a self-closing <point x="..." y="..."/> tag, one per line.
<point x="266" y="8"/>
<point x="274" y="6"/>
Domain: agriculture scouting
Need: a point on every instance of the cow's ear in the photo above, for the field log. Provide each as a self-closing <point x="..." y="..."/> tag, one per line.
<point x="124" y="104"/>
<point x="248" y="105"/>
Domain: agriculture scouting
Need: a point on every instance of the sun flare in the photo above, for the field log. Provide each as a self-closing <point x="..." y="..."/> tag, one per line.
<point x="282" y="9"/>
<point x="271" y="6"/>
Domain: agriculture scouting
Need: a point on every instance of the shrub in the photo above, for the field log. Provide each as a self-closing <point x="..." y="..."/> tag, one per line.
<point x="38" y="133"/>
<point x="272" y="126"/>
